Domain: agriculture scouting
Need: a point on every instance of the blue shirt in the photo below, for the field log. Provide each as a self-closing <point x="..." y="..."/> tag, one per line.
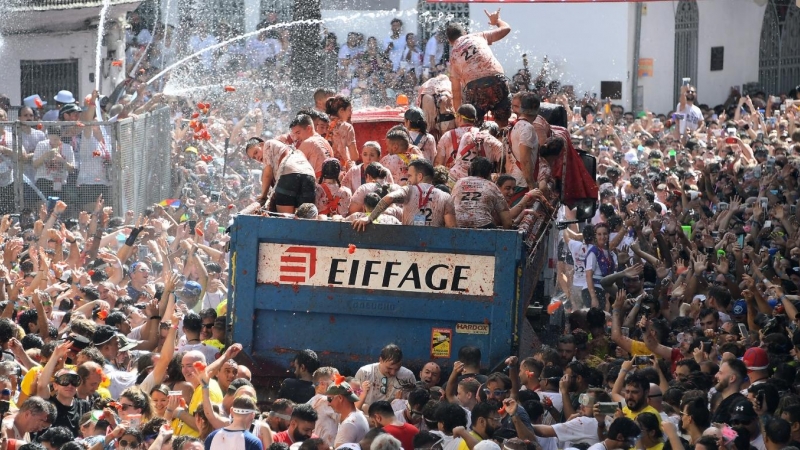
<point x="224" y="439"/>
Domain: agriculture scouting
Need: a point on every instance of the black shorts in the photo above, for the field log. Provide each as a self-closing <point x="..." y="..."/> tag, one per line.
<point x="488" y="94"/>
<point x="294" y="189"/>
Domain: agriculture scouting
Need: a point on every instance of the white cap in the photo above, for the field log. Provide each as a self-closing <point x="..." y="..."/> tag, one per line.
<point x="631" y="157"/>
<point x="64" y="97"/>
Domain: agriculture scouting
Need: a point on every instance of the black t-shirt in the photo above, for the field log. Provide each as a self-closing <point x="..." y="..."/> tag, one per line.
<point x="70" y="416"/>
<point x="723" y="411"/>
<point x="298" y="391"/>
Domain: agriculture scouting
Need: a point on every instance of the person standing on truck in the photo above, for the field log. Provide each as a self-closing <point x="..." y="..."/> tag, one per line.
<point x="315" y="148"/>
<point x="295" y="181"/>
<point x="476" y="75"/>
<point x="401" y="154"/>
<point x="381" y="380"/>
<point x="353" y="424"/>
<point x="300" y="389"/>
<point x="523" y="140"/>
<point x="477" y="201"/>
<point x="423" y="204"/>
<point x="448" y="144"/>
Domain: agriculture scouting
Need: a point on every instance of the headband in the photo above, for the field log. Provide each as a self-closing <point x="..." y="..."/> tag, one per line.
<point x="244" y="411"/>
<point x="465" y="118"/>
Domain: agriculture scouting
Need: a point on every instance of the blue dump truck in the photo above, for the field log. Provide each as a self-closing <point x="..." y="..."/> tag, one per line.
<point x="298" y="284"/>
<point x="313" y="284"/>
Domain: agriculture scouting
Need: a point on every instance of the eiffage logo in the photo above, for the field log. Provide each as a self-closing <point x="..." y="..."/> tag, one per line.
<point x="298" y="264"/>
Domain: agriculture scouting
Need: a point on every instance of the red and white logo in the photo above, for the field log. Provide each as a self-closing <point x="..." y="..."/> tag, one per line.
<point x="298" y="264"/>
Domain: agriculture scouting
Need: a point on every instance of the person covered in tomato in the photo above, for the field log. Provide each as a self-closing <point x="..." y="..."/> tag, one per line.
<point x="476" y="75"/>
<point x="331" y="197"/>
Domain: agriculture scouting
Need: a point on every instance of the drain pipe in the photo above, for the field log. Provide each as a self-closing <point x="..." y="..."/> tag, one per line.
<point x="637" y="38"/>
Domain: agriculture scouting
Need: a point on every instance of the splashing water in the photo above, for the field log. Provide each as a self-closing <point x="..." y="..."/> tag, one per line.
<point x="260" y="30"/>
<point x="101" y="30"/>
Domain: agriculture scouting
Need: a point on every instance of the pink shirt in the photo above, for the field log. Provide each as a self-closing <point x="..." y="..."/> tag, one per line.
<point x="471" y="58"/>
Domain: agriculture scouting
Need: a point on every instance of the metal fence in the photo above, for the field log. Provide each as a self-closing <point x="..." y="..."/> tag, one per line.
<point x="128" y="161"/>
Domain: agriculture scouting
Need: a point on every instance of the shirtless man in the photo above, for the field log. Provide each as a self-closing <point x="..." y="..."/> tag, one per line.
<point x="314" y="147"/>
<point x="475" y="73"/>
<point x="423" y="204"/>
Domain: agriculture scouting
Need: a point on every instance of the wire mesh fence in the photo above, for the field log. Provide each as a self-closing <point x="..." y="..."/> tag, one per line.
<point x="127" y="161"/>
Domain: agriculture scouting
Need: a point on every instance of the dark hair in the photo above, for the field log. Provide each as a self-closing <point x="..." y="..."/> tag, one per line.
<point x="552" y="146"/>
<point x="579" y="369"/>
<point x="690" y="363"/>
<point x="208" y="313"/>
<point x="302" y="120"/>
<point x="31" y="341"/>
<point x="778" y="430"/>
<point x="529" y="103"/>
<point x="419" y="397"/>
<point x="371" y="200"/>
<point x="484" y="410"/>
<point x="304" y="412"/>
<point x="470" y="355"/>
<point x="56" y="436"/>
<point x="375" y="170"/>
<point x="26" y="318"/>
<point x="335" y="104"/>
<point x="709" y="442"/>
<point x="312" y="444"/>
<point x="624" y="426"/>
<point x="454" y="30"/>
<point x="381" y="408"/>
<point x="480" y="167"/>
<point x="192" y="322"/>
<point x="468" y="112"/>
<point x="650" y="422"/>
<point x="501" y="180"/>
<point x="738" y="367"/>
<point x="697" y="409"/>
<point x="501" y="378"/>
<point x="451" y="415"/>
<point x="635" y="379"/>
<point x="278" y="446"/>
<point x="7" y="330"/>
<point x="424" y="438"/>
<point x="391" y="353"/>
<point x="330" y="170"/>
<point x="771" y="395"/>
<point x="424" y="166"/>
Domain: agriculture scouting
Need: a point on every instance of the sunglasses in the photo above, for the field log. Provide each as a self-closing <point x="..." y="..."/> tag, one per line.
<point x="384" y="384"/>
<point x="495" y="393"/>
<point x="330" y="399"/>
<point x="5" y="392"/>
<point x="126" y="443"/>
<point x="68" y="379"/>
<point x="208" y="326"/>
<point x="125" y="407"/>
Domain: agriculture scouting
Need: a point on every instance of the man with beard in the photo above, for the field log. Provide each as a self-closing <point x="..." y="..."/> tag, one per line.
<point x="694" y="419"/>
<point x="381" y="415"/>
<point x="574" y="382"/>
<point x="281" y="414"/>
<point x="692" y="116"/>
<point x="301" y="426"/>
<point x="636" y="390"/>
<point x="485" y="421"/>
<point x="729" y="380"/>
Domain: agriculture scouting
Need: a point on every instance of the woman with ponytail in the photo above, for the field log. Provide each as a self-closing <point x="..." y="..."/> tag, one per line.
<point x="414" y="121"/>
<point x="376" y="182"/>
<point x="343" y="135"/>
<point x="332" y="198"/>
<point x="356" y="176"/>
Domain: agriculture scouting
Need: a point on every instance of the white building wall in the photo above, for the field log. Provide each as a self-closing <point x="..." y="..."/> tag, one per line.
<point x="79" y="45"/>
<point x="734" y="24"/>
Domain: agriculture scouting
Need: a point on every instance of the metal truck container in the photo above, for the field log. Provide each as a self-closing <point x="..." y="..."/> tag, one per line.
<point x="300" y="284"/>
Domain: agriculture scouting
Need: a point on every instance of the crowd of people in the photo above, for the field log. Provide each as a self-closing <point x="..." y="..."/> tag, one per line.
<point x="680" y="295"/>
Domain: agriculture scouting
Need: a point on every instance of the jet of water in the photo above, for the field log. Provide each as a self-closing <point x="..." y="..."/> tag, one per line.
<point x="101" y="30"/>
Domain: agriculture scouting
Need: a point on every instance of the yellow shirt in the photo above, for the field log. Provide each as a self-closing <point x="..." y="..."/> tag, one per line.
<point x="463" y="444"/>
<point x="632" y="415"/>
<point x="639" y="349"/>
<point x="214" y="394"/>
<point x="28" y="384"/>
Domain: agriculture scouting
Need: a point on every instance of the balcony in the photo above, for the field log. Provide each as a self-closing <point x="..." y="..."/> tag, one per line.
<point x="47" y="16"/>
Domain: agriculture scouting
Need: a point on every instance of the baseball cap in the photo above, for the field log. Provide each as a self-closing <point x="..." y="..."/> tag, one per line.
<point x="191" y="150"/>
<point x="103" y="334"/>
<point x="126" y="343"/>
<point x="740" y="307"/>
<point x="64" y="97"/>
<point x="342" y="389"/>
<point x="30" y="101"/>
<point x="69" y="108"/>
<point x="191" y="289"/>
<point x="631" y="157"/>
<point x="755" y="358"/>
<point x="743" y="411"/>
